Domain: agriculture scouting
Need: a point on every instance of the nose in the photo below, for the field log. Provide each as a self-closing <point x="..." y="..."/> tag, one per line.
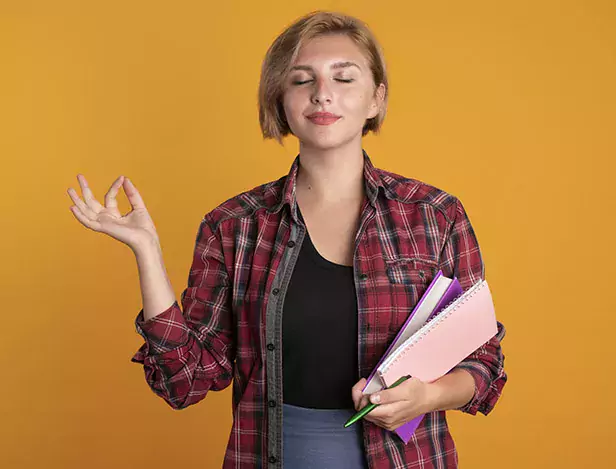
<point x="322" y="92"/>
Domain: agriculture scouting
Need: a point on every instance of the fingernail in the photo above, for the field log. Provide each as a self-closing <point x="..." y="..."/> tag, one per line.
<point x="375" y="398"/>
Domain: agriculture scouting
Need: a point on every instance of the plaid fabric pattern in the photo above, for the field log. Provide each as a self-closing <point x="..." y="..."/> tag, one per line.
<point x="226" y="333"/>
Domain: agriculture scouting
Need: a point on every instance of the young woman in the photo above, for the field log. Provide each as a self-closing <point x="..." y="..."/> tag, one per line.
<point x="298" y="286"/>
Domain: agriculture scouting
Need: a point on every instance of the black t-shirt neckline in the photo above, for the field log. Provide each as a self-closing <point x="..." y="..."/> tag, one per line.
<point x="315" y="255"/>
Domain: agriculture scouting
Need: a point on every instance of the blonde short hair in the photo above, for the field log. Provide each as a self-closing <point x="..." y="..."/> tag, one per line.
<point x="283" y="52"/>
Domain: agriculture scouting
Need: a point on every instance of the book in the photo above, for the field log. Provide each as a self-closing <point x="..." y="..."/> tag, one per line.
<point x="438" y="295"/>
<point x="440" y="344"/>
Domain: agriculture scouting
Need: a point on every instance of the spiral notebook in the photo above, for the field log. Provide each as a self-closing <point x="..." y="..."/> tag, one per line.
<point x="453" y="334"/>
<point x="438" y="295"/>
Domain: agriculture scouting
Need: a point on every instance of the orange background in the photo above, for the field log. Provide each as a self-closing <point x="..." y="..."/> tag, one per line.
<point x="508" y="105"/>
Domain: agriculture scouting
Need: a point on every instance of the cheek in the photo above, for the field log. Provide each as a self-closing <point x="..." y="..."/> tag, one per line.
<point x="293" y="105"/>
<point x="353" y="101"/>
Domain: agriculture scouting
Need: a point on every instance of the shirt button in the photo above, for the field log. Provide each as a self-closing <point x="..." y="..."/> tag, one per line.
<point x="273" y="459"/>
<point x="291" y="244"/>
<point x="275" y="291"/>
<point x="272" y="403"/>
<point x="271" y="347"/>
<point x="363" y="276"/>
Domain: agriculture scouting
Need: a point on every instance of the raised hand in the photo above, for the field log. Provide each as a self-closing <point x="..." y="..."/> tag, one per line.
<point x="132" y="229"/>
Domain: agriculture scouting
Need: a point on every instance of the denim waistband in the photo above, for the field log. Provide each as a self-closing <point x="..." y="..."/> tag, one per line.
<point x="316" y="438"/>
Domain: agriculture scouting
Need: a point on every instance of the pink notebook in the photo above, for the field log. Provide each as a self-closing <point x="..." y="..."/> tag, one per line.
<point x="442" y="343"/>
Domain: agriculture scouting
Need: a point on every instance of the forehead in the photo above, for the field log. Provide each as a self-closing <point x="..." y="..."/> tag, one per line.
<point x="326" y="49"/>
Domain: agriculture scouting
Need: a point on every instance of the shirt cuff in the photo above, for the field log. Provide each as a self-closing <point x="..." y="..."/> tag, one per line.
<point x="163" y="333"/>
<point x="482" y="401"/>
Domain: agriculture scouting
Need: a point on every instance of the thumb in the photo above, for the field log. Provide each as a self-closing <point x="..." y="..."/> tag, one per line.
<point x="357" y="394"/>
<point x="394" y="394"/>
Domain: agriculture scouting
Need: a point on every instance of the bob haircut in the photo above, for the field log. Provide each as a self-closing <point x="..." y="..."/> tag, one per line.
<point x="283" y="52"/>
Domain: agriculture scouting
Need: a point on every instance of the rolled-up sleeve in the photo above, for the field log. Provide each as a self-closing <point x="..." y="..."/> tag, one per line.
<point x="461" y="257"/>
<point x="188" y="353"/>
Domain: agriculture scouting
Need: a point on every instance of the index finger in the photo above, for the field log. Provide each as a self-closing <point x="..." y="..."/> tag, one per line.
<point x="110" y="196"/>
<point x="357" y="394"/>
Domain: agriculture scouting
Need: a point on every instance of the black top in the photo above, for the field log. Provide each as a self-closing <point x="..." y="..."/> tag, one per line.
<point x="319" y="333"/>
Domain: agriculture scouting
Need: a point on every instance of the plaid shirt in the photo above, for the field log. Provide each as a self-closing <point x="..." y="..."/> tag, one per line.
<point x="230" y="330"/>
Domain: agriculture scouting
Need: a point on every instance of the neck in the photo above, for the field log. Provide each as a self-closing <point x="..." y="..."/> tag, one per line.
<point x="331" y="176"/>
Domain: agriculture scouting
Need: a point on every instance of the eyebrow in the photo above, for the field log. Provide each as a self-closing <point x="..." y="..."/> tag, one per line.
<point x="334" y="66"/>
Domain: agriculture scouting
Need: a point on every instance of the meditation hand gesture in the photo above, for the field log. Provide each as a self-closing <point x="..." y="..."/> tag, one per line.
<point x="132" y="229"/>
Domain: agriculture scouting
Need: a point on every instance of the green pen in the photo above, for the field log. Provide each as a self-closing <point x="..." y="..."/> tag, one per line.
<point x="371" y="406"/>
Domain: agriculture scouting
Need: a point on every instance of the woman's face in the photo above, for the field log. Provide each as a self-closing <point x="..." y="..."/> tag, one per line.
<point x="330" y="75"/>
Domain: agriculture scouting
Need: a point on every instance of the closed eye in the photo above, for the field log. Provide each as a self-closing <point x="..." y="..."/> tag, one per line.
<point x="337" y="79"/>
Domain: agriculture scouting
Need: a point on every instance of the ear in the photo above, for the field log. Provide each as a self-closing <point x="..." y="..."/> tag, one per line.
<point x="377" y="101"/>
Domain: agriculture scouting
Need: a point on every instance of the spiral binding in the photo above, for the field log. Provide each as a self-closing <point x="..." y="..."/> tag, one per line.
<point x="438" y="319"/>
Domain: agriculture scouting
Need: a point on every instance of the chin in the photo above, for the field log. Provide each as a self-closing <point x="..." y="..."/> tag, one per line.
<point x="324" y="141"/>
<point x="320" y="145"/>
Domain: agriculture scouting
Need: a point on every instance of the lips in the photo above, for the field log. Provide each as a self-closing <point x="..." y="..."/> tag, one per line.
<point x="323" y="118"/>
